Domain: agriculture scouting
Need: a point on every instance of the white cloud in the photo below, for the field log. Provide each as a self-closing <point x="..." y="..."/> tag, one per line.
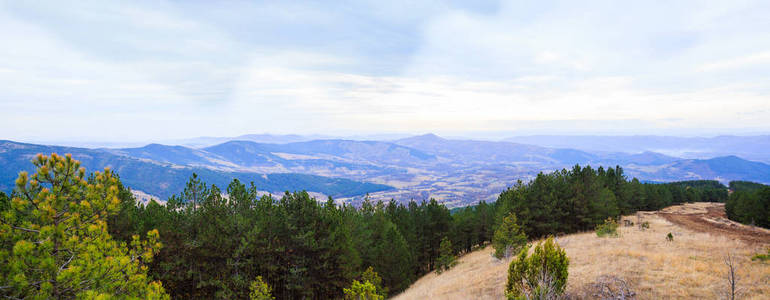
<point x="753" y="60"/>
<point x="164" y="70"/>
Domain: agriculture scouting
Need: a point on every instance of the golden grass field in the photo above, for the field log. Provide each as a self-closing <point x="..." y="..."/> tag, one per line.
<point x="691" y="266"/>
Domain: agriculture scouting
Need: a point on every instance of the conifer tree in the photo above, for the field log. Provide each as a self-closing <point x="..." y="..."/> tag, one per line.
<point x="447" y="258"/>
<point x="362" y="291"/>
<point x="259" y="290"/>
<point x="542" y="273"/>
<point x="509" y="238"/>
<point x="4" y="201"/>
<point x="371" y="276"/>
<point x="55" y="243"/>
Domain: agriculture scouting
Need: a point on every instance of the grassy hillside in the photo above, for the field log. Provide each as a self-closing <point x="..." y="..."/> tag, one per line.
<point x="691" y="266"/>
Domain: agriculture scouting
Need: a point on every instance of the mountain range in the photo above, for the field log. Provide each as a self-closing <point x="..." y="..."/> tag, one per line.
<point x="162" y="171"/>
<point x="455" y="171"/>
<point x="748" y="147"/>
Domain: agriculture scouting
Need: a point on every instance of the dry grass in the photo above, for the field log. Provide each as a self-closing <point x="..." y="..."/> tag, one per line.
<point x="477" y="275"/>
<point x="692" y="266"/>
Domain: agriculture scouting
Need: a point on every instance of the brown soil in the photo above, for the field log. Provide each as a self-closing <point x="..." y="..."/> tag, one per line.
<point x="711" y="218"/>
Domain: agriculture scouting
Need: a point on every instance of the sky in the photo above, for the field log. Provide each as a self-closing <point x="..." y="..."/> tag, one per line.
<point x="154" y="70"/>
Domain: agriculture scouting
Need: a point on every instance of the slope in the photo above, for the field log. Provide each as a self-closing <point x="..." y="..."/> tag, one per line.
<point x="689" y="267"/>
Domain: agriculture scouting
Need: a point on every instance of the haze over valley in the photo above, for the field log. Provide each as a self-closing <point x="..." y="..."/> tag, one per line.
<point x="457" y="172"/>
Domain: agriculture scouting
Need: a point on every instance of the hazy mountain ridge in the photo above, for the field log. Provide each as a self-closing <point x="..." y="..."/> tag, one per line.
<point x="456" y="171"/>
<point x="747" y="147"/>
<point x="724" y="168"/>
<point x="154" y="176"/>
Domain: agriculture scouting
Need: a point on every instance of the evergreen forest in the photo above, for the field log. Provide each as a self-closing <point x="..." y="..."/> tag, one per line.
<point x="211" y="242"/>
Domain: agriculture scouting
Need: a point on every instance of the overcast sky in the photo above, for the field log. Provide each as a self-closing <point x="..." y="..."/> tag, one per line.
<point x="141" y="70"/>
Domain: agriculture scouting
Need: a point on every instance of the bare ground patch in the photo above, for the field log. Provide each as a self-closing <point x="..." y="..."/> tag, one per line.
<point x="711" y="218"/>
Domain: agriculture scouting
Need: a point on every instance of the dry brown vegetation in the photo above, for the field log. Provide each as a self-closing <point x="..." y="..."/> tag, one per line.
<point x="691" y="266"/>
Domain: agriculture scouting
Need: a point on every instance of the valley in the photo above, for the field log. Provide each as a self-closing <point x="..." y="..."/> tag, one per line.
<point x="453" y="171"/>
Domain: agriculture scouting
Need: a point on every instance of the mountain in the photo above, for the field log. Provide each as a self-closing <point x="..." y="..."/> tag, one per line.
<point x="493" y="152"/>
<point x="341" y="150"/>
<point x="177" y="155"/>
<point x="456" y="172"/>
<point x="159" y="173"/>
<point x="646" y="158"/>
<point x="207" y="141"/>
<point x="721" y="168"/>
<point x="371" y="151"/>
<point x="748" y="147"/>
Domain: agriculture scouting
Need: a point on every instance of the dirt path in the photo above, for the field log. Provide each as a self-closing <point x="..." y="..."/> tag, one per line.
<point x="711" y="218"/>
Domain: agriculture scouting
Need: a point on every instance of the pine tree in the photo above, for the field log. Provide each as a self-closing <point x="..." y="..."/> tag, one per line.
<point x="5" y="203"/>
<point x="603" y="206"/>
<point x="509" y="238"/>
<point x="259" y="290"/>
<point x="447" y="258"/>
<point x="362" y="291"/>
<point x="371" y="276"/>
<point x="55" y="242"/>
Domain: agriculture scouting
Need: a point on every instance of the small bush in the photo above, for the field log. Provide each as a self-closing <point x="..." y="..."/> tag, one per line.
<point x="670" y="237"/>
<point x="609" y="228"/>
<point x="628" y="223"/>
<point x="644" y="225"/>
<point x="762" y="257"/>
<point x="542" y="275"/>
<point x="606" y="287"/>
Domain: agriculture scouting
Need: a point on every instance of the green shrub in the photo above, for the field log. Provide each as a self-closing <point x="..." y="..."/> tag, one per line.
<point x="508" y="238"/>
<point x="670" y="237"/>
<point x="762" y="257"/>
<point x="609" y="228"/>
<point x="540" y="275"/>
<point x="645" y="225"/>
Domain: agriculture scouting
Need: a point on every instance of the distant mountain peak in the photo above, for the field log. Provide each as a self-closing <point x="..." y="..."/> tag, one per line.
<point x="728" y="158"/>
<point x="428" y="137"/>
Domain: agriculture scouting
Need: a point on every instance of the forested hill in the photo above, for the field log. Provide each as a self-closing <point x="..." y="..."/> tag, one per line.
<point x="165" y="179"/>
<point x="454" y="172"/>
<point x="737" y="186"/>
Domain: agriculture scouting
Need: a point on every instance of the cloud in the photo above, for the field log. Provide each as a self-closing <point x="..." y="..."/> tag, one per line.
<point x="180" y="69"/>
<point x="753" y="60"/>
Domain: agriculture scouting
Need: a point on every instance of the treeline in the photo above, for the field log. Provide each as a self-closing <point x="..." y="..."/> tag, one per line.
<point x="749" y="203"/>
<point x="214" y="246"/>
<point x="699" y="191"/>
<point x="578" y="199"/>
<point x="742" y="186"/>
<point x="216" y="243"/>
